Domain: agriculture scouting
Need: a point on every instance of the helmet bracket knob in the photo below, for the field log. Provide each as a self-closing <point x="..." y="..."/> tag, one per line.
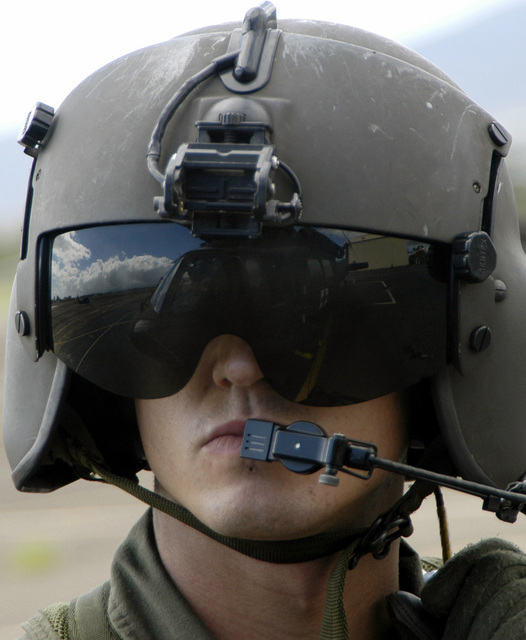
<point x="36" y="127"/>
<point x="474" y="256"/>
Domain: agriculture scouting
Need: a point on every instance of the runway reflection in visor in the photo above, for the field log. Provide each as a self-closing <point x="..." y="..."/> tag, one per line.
<point x="333" y="316"/>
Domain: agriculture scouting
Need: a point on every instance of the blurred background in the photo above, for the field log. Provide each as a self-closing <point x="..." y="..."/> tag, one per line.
<point x="54" y="547"/>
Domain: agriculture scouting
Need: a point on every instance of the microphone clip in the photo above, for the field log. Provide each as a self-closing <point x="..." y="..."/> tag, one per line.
<point x="304" y="447"/>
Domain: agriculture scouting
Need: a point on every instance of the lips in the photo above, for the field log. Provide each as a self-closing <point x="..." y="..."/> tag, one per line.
<point x="226" y="438"/>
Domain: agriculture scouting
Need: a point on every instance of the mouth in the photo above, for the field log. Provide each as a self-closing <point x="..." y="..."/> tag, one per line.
<point x="226" y="438"/>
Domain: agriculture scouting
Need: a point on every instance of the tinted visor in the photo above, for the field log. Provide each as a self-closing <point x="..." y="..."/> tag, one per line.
<point x="332" y="316"/>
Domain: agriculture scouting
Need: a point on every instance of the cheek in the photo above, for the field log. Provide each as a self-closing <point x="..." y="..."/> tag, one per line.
<point x="381" y="422"/>
<point x="164" y="447"/>
<point x="146" y="416"/>
<point x="159" y="431"/>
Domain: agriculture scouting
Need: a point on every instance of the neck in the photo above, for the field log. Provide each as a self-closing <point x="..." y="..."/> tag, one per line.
<point x="238" y="597"/>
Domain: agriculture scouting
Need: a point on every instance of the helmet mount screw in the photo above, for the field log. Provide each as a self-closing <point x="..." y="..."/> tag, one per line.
<point x="501" y="290"/>
<point x="498" y="134"/>
<point x="480" y="338"/>
<point x="22" y="323"/>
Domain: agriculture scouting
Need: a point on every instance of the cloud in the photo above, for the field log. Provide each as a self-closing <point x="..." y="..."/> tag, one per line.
<point x="67" y="249"/>
<point x="75" y="274"/>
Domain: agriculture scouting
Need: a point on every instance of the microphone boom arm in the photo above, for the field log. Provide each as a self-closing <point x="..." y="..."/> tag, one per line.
<point x="304" y="447"/>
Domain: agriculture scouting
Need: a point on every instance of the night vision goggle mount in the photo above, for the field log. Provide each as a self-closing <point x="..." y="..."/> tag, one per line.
<point x="224" y="184"/>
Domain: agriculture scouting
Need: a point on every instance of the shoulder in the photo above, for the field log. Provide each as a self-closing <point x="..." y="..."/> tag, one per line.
<point x="42" y="627"/>
<point x="82" y="618"/>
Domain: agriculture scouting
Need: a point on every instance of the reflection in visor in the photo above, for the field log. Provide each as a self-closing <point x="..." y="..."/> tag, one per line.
<point x="333" y="316"/>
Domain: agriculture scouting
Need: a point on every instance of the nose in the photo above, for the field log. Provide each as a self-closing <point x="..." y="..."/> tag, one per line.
<point x="235" y="363"/>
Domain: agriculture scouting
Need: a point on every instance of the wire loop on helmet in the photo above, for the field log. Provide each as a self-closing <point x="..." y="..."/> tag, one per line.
<point x="153" y="155"/>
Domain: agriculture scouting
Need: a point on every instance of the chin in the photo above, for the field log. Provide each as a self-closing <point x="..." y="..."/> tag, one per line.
<point x="265" y="530"/>
<point x="262" y="515"/>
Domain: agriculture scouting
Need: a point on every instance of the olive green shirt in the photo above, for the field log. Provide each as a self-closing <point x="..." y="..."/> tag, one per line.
<point x="141" y="601"/>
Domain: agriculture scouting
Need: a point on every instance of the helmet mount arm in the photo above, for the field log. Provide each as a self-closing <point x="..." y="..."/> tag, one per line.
<point x="303" y="447"/>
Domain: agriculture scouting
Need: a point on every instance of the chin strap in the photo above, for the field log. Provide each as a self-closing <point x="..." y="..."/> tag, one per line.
<point x="334" y="625"/>
<point x="280" y="551"/>
<point x="77" y="448"/>
<point x="377" y="541"/>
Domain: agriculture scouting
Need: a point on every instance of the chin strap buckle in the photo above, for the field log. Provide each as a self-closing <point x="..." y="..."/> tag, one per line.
<point x="382" y="533"/>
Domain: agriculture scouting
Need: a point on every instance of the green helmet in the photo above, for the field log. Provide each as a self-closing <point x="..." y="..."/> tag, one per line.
<point x="324" y="193"/>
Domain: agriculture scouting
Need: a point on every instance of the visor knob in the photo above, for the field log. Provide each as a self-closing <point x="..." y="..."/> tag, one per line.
<point x="474" y="256"/>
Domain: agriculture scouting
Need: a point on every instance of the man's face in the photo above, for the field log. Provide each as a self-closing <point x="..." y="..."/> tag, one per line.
<point x="193" y="440"/>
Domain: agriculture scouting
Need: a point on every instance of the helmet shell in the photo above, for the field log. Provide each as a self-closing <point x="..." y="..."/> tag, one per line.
<point x="380" y="139"/>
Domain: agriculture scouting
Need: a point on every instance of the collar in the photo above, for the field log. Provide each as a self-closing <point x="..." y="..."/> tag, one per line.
<point x="144" y="601"/>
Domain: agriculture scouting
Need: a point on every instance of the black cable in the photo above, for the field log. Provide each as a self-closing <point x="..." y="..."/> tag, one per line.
<point x="217" y="66"/>
<point x="459" y="484"/>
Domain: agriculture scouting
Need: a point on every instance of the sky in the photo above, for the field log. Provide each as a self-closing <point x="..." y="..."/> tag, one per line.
<point x="46" y="49"/>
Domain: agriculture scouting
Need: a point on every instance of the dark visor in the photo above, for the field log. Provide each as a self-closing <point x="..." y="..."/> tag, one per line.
<point x="333" y="316"/>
